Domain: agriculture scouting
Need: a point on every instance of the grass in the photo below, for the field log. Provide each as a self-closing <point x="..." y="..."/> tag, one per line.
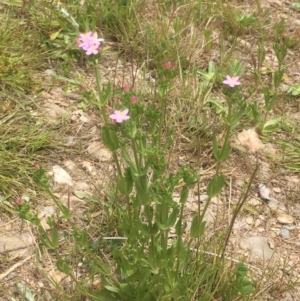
<point x="205" y="41"/>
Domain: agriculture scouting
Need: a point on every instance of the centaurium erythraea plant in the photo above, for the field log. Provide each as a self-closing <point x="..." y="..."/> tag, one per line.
<point x="89" y="42"/>
<point x="232" y="81"/>
<point x="120" y="116"/>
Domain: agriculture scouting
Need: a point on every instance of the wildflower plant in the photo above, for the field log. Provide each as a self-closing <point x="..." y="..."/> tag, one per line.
<point x="148" y="265"/>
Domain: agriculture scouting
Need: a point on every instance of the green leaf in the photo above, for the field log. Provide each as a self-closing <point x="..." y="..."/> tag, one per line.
<point x="216" y="151"/>
<point x="55" y="238"/>
<point x="110" y="138"/>
<point x="63" y="267"/>
<point x="237" y="116"/>
<point x="271" y="125"/>
<point x="125" y="184"/>
<point x="272" y="103"/>
<point x="197" y="227"/>
<point x="142" y="189"/>
<point x="184" y="194"/>
<point x="172" y="217"/>
<point x="109" y="286"/>
<point x="225" y="151"/>
<point x="54" y="35"/>
<point x="129" y="162"/>
<point x="215" y="185"/>
<point x="245" y="287"/>
<point x="105" y="94"/>
<point x="241" y="269"/>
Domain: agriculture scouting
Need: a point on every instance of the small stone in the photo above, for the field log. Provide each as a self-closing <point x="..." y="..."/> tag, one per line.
<point x="276" y="189"/>
<point x="81" y="185"/>
<point x="294" y="258"/>
<point x="56" y="275"/>
<point x="289" y="227"/>
<point x="284" y="233"/>
<point x="240" y="183"/>
<point x="49" y="72"/>
<point x="284" y="218"/>
<point x="97" y="150"/>
<point x="61" y="176"/>
<point x="203" y="197"/>
<point x="275" y="205"/>
<point x="69" y="140"/>
<point x="261" y="229"/>
<point x="258" y="246"/>
<point x="47" y="211"/>
<point x="245" y="227"/>
<point x="271" y="244"/>
<point x="249" y="220"/>
<point x="257" y="223"/>
<point x="12" y="243"/>
<point x="45" y="225"/>
<point x="254" y="202"/>
<point x="215" y="200"/>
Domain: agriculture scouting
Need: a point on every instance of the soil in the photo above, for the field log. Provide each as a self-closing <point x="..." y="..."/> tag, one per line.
<point x="91" y="169"/>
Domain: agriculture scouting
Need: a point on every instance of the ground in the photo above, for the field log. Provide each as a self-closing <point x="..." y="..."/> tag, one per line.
<point x="266" y="233"/>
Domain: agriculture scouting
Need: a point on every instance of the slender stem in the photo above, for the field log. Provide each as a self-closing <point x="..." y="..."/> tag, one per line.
<point x="179" y="237"/>
<point x="162" y="115"/>
<point x="135" y="154"/>
<point x="99" y="88"/>
<point x="117" y="163"/>
<point x="237" y="210"/>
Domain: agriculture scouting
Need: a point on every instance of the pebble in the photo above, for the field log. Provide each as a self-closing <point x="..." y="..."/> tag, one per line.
<point x="254" y="202"/>
<point x="285" y="233"/>
<point x="276" y="189"/>
<point x="249" y="220"/>
<point x="203" y="197"/>
<point x="245" y="227"/>
<point x="289" y="227"/>
<point x="275" y="205"/>
<point x="12" y="243"/>
<point x="259" y="246"/>
<point x="257" y="223"/>
<point x="284" y="218"/>
<point x="261" y="229"/>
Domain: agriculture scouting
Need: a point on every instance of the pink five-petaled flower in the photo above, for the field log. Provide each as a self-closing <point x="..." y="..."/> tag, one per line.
<point x="120" y="116"/>
<point x="89" y="42"/>
<point x="168" y="65"/>
<point x="95" y="39"/>
<point x="134" y="99"/>
<point x="84" y="40"/>
<point x="92" y="49"/>
<point x="126" y="88"/>
<point x="232" y="81"/>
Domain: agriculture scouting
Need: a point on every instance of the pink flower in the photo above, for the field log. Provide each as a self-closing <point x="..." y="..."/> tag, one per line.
<point x="232" y="81"/>
<point x="83" y="87"/>
<point x="84" y="40"/>
<point x="19" y="201"/>
<point x="36" y="166"/>
<point x="89" y="42"/>
<point x="168" y="65"/>
<point x="126" y="88"/>
<point x="92" y="49"/>
<point x="134" y="99"/>
<point x="120" y="116"/>
<point x="94" y="39"/>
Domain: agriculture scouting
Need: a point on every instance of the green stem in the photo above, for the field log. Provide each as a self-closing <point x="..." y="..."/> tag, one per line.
<point x="117" y="163"/>
<point x="135" y="154"/>
<point x="162" y="115"/>
<point x="179" y="237"/>
<point x="237" y="210"/>
<point x="99" y="88"/>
